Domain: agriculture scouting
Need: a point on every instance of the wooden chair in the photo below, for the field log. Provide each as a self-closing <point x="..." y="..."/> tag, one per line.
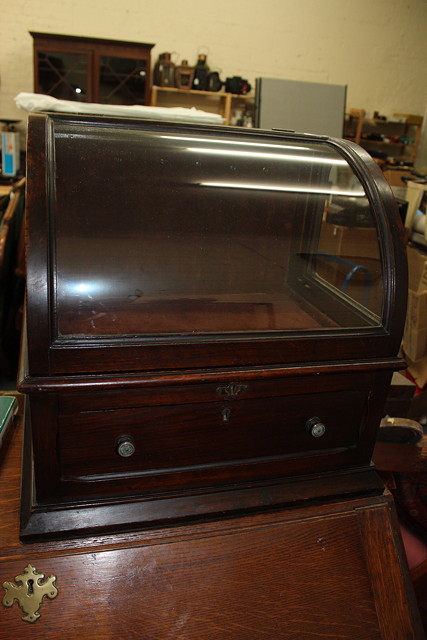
<point x="11" y="278"/>
<point x="354" y="124"/>
<point x="7" y="222"/>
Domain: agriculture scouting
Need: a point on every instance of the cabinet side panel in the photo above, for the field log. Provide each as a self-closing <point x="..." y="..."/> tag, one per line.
<point x="389" y="576"/>
<point x="37" y="244"/>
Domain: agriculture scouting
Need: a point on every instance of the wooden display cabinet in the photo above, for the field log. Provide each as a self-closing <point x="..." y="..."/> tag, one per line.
<point x="195" y="323"/>
<point x="203" y="393"/>
<point x="92" y="69"/>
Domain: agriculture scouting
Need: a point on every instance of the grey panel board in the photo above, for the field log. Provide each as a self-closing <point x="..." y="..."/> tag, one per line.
<point x="308" y="107"/>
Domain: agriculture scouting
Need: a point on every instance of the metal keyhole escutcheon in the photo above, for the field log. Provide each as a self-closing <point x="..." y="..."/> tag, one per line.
<point x="225" y="413"/>
<point x="29" y="591"/>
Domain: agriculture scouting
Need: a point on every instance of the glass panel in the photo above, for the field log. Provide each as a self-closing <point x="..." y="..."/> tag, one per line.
<point x="122" y="80"/>
<point x="348" y="254"/>
<point x="159" y="232"/>
<point x="63" y="75"/>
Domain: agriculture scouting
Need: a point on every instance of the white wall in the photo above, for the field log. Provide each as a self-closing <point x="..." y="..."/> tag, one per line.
<point x="377" y="47"/>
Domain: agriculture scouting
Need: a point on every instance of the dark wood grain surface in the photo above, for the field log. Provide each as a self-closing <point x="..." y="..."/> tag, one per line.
<point x="333" y="571"/>
<point x="389" y="456"/>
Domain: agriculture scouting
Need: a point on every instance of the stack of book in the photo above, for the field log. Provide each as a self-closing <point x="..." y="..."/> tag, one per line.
<point x="8" y="409"/>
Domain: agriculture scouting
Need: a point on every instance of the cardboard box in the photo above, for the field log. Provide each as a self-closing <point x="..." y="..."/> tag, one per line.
<point x="400" y="396"/>
<point x="417" y="370"/>
<point x="349" y="242"/>
<point x="415" y="333"/>
<point x="415" y="194"/>
<point x="394" y="177"/>
<point x="409" y="118"/>
<point x="418" y="409"/>
<point x="10" y="141"/>
<point x="358" y="247"/>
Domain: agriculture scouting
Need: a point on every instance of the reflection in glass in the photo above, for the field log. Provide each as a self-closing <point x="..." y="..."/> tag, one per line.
<point x="122" y="80"/>
<point x="63" y="75"/>
<point x="199" y="235"/>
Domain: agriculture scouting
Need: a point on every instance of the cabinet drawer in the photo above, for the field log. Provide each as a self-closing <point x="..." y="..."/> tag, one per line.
<point x="237" y="390"/>
<point x="167" y="441"/>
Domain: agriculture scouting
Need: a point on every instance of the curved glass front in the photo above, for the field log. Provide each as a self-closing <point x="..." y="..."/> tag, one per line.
<point x="173" y="231"/>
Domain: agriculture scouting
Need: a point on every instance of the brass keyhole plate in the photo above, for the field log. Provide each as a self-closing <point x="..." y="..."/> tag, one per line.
<point x="29" y="590"/>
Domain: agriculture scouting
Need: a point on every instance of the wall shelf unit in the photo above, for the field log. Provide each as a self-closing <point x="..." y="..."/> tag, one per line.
<point x="211" y="101"/>
<point x="394" y="139"/>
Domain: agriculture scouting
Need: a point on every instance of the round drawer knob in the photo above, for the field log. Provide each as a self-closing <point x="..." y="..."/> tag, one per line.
<point x="315" y="427"/>
<point x="125" y="446"/>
